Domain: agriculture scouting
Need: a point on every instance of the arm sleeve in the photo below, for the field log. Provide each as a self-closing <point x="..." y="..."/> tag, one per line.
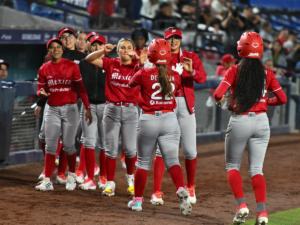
<point x="80" y="87"/>
<point x="41" y="83"/>
<point x="136" y="79"/>
<point x="42" y="102"/>
<point x="198" y="75"/>
<point x="274" y="87"/>
<point x="220" y="91"/>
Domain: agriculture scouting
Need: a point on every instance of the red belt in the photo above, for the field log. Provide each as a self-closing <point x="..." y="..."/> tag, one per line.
<point x="125" y="104"/>
<point x="180" y="94"/>
<point x="247" y="113"/>
<point x="155" y="112"/>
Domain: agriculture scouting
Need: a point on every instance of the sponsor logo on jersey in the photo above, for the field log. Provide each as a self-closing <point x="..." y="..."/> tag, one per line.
<point x="162" y="52"/>
<point x="255" y="44"/>
<point x="59" y="89"/>
<point x="161" y="61"/>
<point x="253" y="54"/>
<point x="152" y="102"/>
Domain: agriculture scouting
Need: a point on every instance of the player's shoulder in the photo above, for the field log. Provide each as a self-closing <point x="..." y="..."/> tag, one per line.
<point x="69" y="62"/>
<point x="189" y="54"/>
<point x="268" y="72"/>
<point x="233" y="69"/>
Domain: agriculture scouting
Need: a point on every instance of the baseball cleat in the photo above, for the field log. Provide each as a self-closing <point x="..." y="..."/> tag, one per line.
<point x="185" y="205"/>
<point x="102" y="182"/>
<point x="262" y="218"/>
<point x="242" y="212"/>
<point x="71" y="181"/>
<point x="192" y="194"/>
<point x="123" y="162"/>
<point x="130" y="182"/>
<point x="96" y="170"/>
<point x="88" y="185"/>
<point x="45" y="185"/>
<point x="61" y="179"/>
<point x="42" y="176"/>
<point x="135" y="204"/>
<point x="109" y="189"/>
<point x="79" y="176"/>
<point x="157" y="198"/>
<point x="57" y="161"/>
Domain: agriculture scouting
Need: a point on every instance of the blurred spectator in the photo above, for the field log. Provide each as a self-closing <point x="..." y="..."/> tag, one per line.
<point x="140" y="38"/>
<point x="94" y="9"/>
<point x="228" y="5"/>
<point x="218" y="6"/>
<point x="133" y="8"/>
<point x="248" y="14"/>
<point x="148" y="12"/>
<point x="266" y="33"/>
<point x="217" y="39"/>
<point x="206" y="3"/>
<point x="3" y="69"/>
<point x="189" y="11"/>
<point x="276" y="54"/>
<point x="291" y="42"/>
<point x="294" y="56"/>
<point x="283" y="35"/>
<point x="164" y="17"/>
<point x="257" y="19"/>
<point x="269" y="64"/>
<point x="234" y="26"/>
<point x="81" y="41"/>
<point x="206" y="16"/>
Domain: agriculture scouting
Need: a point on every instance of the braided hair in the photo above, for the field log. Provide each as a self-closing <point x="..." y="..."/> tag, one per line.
<point x="250" y="85"/>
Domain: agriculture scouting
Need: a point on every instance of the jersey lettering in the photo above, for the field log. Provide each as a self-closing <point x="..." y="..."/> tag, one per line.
<point x="154" y="94"/>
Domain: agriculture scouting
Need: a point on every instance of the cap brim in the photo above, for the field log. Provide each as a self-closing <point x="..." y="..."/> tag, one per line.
<point x="57" y="41"/>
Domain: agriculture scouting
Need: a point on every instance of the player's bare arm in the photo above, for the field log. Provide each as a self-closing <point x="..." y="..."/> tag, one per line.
<point x="94" y="58"/>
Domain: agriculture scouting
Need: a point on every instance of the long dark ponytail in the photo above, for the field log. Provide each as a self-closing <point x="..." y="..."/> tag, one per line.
<point x="250" y="85"/>
<point x="164" y="74"/>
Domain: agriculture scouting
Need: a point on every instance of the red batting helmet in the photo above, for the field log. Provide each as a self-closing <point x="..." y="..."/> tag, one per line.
<point x="250" y="45"/>
<point x="159" y="52"/>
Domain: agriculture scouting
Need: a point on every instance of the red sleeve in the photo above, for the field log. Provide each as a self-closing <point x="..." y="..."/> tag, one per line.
<point x="274" y="85"/>
<point x="76" y="73"/>
<point x="220" y="91"/>
<point x="279" y="99"/>
<point x="106" y="63"/>
<point x="41" y="82"/>
<point x="136" y="79"/>
<point x="83" y="94"/>
<point x="221" y="71"/>
<point x="198" y="75"/>
<point x="229" y="77"/>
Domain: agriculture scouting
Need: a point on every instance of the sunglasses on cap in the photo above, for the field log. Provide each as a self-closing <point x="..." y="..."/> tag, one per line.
<point x="66" y="36"/>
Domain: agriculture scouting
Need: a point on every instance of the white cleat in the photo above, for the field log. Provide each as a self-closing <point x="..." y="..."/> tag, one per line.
<point x="192" y="194"/>
<point x="130" y="182"/>
<point x="262" y="218"/>
<point x="157" y="198"/>
<point x="61" y="179"/>
<point x="185" y="205"/>
<point x="79" y="176"/>
<point x="109" y="189"/>
<point x="102" y="182"/>
<point x="88" y="185"/>
<point x="45" y="185"/>
<point x="242" y="212"/>
<point x="71" y="181"/>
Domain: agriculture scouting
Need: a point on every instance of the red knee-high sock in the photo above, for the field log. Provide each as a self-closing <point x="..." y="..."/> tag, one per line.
<point x="90" y="162"/>
<point x="82" y="161"/>
<point x="49" y="165"/>
<point x="236" y="183"/>
<point x="111" y="168"/>
<point x="259" y="187"/>
<point x="130" y="163"/>
<point x="102" y="163"/>
<point x="63" y="163"/>
<point x="158" y="173"/>
<point x="177" y="176"/>
<point x="59" y="148"/>
<point x="140" y="178"/>
<point x="190" y="167"/>
<point x="72" y="162"/>
<point x="43" y="146"/>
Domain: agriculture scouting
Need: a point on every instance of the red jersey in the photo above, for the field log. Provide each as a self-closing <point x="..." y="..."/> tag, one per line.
<point x="221" y="70"/>
<point x="61" y="80"/>
<point x="271" y="84"/>
<point x="187" y="80"/>
<point x="150" y="97"/>
<point x="117" y="77"/>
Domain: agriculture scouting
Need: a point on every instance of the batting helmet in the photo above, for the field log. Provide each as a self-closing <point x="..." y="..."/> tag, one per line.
<point x="250" y="45"/>
<point x="159" y="52"/>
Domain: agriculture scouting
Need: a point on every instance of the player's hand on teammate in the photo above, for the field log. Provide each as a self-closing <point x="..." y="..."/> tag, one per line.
<point x="44" y="93"/>
<point x="88" y="117"/>
<point x="109" y="47"/>
<point x="144" y="56"/>
<point x="187" y="64"/>
<point x="222" y="101"/>
<point x="37" y="111"/>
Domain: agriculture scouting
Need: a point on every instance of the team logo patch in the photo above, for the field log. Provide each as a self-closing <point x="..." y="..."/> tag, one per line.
<point x="173" y="31"/>
<point x="152" y="102"/>
<point x="255" y="44"/>
<point x="162" y="52"/>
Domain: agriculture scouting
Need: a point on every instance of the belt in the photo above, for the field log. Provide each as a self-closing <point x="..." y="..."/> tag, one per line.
<point x="157" y="113"/>
<point x="248" y="113"/>
<point x="125" y="104"/>
<point x="180" y="94"/>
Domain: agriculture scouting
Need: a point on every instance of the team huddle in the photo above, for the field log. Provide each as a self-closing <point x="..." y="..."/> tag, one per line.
<point x="146" y="97"/>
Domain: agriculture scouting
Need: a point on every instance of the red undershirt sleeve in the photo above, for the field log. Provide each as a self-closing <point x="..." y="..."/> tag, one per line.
<point x="221" y="90"/>
<point x="279" y="99"/>
<point x="83" y="94"/>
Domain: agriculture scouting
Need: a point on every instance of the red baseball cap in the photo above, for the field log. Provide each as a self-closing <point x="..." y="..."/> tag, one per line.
<point x="228" y="58"/>
<point x="53" y="40"/>
<point x="4" y="62"/>
<point x="98" y="38"/>
<point x="171" y="32"/>
<point x="92" y="34"/>
<point x="67" y="29"/>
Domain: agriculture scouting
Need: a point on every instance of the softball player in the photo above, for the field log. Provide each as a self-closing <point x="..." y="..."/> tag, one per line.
<point x="249" y="82"/>
<point x="94" y="82"/>
<point x="81" y="44"/>
<point x="121" y="113"/>
<point x="158" y="123"/>
<point x="189" y="66"/>
<point x="58" y="80"/>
